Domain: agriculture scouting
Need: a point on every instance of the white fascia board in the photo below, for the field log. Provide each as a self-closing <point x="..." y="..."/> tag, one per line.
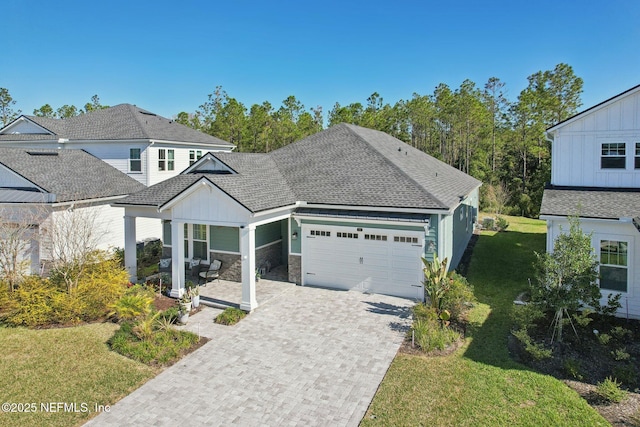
<point x="270" y="219"/>
<point x="360" y="220"/>
<point x="209" y="145"/>
<point x="562" y="217"/>
<point x="376" y="208"/>
<point x="288" y="208"/>
<point x="100" y="200"/>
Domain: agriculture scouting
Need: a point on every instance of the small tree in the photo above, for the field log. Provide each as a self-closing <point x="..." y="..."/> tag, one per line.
<point x="18" y="230"/>
<point x="73" y="237"/>
<point x="566" y="278"/>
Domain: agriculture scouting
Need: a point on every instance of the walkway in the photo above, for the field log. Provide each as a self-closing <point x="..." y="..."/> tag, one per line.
<point x="309" y="356"/>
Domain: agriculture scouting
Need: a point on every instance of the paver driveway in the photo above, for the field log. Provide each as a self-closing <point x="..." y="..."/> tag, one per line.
<point x="308" y="357"/>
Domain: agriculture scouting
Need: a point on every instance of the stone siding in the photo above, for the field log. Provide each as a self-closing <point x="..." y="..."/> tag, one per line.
<point x="269" y="257"/>
<point x="231" y="268"/>
<point x="295" y="269"/>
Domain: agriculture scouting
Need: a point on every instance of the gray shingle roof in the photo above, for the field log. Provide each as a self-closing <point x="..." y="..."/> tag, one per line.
<point x="591" y="202"/>
<point x="121" y="122"/>
<point x="344" y="165"/>
<point x="71" y="175"/>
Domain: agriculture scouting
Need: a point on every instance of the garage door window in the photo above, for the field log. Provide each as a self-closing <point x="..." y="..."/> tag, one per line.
<point x="378" y="237"/>
<point x="321" y="233"/>
<point x="405" y="239"/>
<point x="347" y="235"/>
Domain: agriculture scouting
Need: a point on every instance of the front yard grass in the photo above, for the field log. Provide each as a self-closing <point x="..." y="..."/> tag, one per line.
<point x="480" y="384"/>
<point x="70" y="365"/>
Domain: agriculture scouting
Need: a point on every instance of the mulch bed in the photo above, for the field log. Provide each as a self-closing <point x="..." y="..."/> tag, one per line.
<point x="596" y="362"/>
<point x="162" y="302"/>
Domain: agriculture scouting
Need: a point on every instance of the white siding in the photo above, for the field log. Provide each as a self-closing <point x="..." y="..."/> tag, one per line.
<point x="181" y="161"/>
<point x="209" y="205"/>
<point x="12" y="179"/>
<point x="25" y="126"/>
<point x="609" y="230"/>
<point x="577" y="146"/>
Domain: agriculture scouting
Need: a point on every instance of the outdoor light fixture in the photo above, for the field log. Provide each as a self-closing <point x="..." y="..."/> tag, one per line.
<point x="294" y="236"/>
<point x="432" y="246"/>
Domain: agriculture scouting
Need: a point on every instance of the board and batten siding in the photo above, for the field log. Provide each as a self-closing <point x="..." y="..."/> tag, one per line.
<point x="577" y="146"/>
<point x="609" y="230"/>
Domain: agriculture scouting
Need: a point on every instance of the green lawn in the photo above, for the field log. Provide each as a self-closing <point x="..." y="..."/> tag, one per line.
<point x="480" y="384"/>
<point x="70" y="365"/>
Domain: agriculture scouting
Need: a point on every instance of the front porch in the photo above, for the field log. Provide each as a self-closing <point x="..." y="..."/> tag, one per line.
<point x="226" y="293"/>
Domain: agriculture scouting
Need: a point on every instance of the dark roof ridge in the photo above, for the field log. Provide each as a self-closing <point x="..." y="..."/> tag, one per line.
<point x="389" y="161"/>
<point x="588" y="188"/>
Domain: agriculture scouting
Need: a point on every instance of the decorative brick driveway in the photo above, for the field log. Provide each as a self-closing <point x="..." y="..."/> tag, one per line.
<point x="309" y="356"/>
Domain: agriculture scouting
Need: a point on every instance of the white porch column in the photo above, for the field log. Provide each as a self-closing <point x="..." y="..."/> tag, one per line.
<point x="177" y="259"/>
<point x="248" y="253"/>
<point x="130" y="261"/>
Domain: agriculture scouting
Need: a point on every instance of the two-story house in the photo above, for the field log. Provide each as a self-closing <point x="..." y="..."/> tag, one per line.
<point x="143" y="146"/>
<point x="595" y="175"/>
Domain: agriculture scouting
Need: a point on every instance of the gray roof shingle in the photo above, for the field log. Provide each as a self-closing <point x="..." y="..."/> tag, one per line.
<point x="591" y="202"/>
<point x="121" y="122"/>
<point x="343" y="165"/>
<point x="71" y="175"/>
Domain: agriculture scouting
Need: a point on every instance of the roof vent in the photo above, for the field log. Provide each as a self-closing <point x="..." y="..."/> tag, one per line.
<point x="42" y="153"/>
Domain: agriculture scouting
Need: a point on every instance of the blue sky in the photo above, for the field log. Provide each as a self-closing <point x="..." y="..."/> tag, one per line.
<point x="166" y="56"/>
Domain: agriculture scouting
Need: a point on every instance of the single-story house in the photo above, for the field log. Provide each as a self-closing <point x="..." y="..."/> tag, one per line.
<point x="595" y="175"/>
<point x="38" y="187"/>
<point x="346" y="208"/>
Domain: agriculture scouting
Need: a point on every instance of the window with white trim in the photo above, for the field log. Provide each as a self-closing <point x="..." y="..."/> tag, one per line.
<point x="166" y="160"/>
<point x="614" y="270"/>
<point x="194" y="155"/>
<point x="135" y="162"/>
<point x="200" y="245"/>
<point x="613" y="155"/>
<point x="637" y="157"/>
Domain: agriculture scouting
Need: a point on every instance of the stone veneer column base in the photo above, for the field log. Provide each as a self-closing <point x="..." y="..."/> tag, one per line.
<point x="295" y="269"/>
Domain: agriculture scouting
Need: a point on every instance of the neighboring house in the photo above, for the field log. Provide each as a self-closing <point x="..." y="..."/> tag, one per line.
<point x="145" y="146"/>
<point x="38" y="186"/>
<point x="595" y="175"/>
<point x="346" y="208"/>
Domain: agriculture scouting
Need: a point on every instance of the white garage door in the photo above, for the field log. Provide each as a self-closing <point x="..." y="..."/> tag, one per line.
<point x="372" y="260"/>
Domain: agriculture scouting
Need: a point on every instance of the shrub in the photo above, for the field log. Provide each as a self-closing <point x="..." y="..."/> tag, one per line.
<point x="163" y="347"/>
<point x="620" y="354"/>
<point x="604" y="339"/>
<point x="533" y="349"/>
<point x="610" y="390"/>
<point x="501" y="223"/>
<point x="620" y="333"/>
<point x="230" y="316"/>
<point x="526" y="316"/>
<point x="572" y="367"/>
<point x="627" y="373"/>
<point x="430" y="335"/>
<point x="170" y="315"/>
<point x="424" y="312"/>
<point x="459" y="298"/>
<point x="136" y="303"/>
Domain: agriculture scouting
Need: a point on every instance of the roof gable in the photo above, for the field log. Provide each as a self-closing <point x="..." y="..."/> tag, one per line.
<point x="25" y="125"/>
<point x="634" y="92"/>
<point x="120" y="122"/>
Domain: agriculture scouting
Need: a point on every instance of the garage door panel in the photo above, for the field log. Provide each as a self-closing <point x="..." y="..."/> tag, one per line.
<point x="373" y="264"/>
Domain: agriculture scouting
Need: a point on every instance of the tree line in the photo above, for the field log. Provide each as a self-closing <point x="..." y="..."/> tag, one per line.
<point x="478" y="130"/>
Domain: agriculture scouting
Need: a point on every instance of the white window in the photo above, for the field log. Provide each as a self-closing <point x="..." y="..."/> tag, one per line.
<point x="194" y="155"/>
<point x="135" y="162"/>
<point x="200" y="245"/>
<point x="613" y="155"/>
<point x="614" y="270"/>
<point x="637" y="158"/>
<point x="166" y="160"/>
